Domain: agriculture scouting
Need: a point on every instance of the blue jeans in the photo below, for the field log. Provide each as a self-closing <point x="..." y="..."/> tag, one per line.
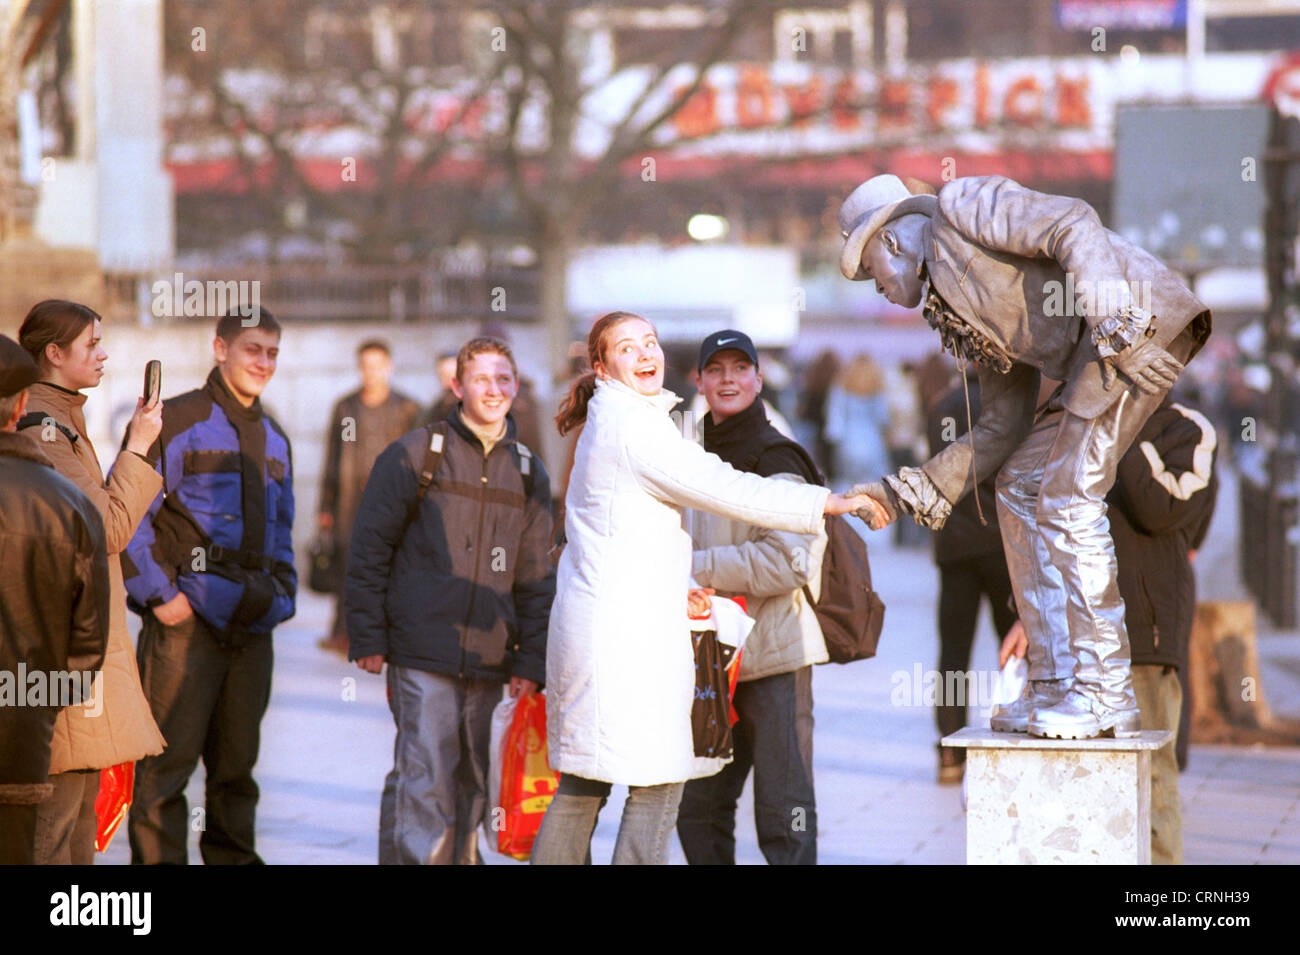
<point x="648" y="818"/>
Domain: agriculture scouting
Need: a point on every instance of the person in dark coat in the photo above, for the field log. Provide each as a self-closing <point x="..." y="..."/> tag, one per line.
<point x="446" y="400"/>
<point x="54" y="619"/>
<point x="361" y="425"/>
<point x="972" y="565"/>
<point x="1160" y="511"/>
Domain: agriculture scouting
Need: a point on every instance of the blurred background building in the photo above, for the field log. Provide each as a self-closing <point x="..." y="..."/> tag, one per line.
<point x="426" y="169"/>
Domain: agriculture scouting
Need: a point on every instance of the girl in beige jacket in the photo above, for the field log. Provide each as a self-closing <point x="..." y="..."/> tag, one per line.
<point x="115" y="726"/>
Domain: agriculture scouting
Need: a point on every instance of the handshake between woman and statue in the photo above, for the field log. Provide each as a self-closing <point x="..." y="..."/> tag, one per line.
<point x="1026" y="286"/>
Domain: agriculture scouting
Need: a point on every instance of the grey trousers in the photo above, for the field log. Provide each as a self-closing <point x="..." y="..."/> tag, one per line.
<point x="1051" y="498"/>
<point x="66" y="822"/>
<point x="435" y="797"/>
<point x="1160" y="698"/>
<point x="774" y="737"/>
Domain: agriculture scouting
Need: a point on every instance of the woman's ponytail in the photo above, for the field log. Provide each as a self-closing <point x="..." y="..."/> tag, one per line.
<point x="573" y="409"/>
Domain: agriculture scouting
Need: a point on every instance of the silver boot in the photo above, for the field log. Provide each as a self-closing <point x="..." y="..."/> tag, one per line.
<point x="1081" y="716"/>
<point x="1014" y="717"/>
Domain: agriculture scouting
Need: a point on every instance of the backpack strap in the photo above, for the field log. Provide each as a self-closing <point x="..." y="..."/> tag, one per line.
<point x="432" y="458"/>
<point x="524" y="461"/>
<point x="37" y="419"/>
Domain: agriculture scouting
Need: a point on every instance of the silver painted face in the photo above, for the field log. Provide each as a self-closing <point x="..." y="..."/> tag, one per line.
<point x="894" y="268"/>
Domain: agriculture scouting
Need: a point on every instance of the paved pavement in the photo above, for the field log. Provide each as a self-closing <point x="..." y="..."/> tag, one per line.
<point x="327" y="744"/>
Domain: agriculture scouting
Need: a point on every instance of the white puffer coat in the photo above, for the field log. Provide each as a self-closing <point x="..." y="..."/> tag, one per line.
<point x="619" y="666"/>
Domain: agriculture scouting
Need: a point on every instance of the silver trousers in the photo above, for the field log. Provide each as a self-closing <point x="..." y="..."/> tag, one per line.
<point x="1051" y="499"/>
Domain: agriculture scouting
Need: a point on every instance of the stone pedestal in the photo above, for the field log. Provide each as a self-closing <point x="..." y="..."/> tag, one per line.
<point x="1058" y="802"/>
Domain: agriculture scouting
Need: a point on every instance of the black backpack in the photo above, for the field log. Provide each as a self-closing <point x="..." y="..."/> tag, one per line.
<point x="850" y="613"/>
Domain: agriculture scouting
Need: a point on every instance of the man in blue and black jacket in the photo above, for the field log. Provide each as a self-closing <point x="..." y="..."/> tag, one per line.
<point x="211" y="571"/>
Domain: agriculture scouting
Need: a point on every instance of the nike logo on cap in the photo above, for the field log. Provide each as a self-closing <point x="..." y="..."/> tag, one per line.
<point x="724" y="341"/>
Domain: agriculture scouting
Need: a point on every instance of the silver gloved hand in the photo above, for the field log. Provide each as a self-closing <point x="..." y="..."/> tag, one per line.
<point x="1146" y="365"/>
<point x="881" y="494"/>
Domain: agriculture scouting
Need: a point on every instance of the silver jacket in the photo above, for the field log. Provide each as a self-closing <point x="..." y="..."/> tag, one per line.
<point x="999" y="255"/>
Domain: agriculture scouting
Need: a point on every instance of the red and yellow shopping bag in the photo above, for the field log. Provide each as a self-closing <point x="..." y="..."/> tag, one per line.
<point x="527" y="782"/>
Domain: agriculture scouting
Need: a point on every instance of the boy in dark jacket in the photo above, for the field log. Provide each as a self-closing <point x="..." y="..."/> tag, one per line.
<point x="211" y="571"/>
<point x="452" y="589"/>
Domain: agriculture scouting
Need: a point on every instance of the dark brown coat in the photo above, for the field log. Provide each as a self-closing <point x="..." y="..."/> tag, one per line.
<point x="54" y="609"/>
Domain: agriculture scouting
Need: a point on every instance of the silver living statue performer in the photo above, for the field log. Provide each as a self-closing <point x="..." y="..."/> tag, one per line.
<point x="1025" y="285"/>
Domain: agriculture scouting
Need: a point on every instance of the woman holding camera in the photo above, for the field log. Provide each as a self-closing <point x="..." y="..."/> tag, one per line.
<point x="116" y="725"/>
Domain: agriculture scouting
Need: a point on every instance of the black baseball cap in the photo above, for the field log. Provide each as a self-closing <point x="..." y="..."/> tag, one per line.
<point x="726" y="340"/>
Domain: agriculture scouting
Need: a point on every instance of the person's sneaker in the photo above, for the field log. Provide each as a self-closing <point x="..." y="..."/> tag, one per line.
<point x="952" y="765"/>
<point x="338" y="643"/>
<point x="1079" y="716"/>
<point x="1014" y="717"/>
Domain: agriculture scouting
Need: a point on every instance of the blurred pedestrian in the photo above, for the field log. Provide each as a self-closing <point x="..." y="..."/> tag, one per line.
<point x="972" y="566"/>
<point x="450" y="583"/>
<point x="64" y="339"/>
<point x="818" y="379"/>
<point x="362" y="424"/>
<point x="777" y="572"/>
<point x="620" y="672"/>
<point x="446" y="400"/>
<point x="211" y="571"/>
<point x="55" y="619"/>
<point x="857" y="415"/>
<point x="905" y="437"/>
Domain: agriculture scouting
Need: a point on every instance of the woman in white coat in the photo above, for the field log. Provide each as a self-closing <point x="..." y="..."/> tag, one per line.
<point x="620" y="671"/>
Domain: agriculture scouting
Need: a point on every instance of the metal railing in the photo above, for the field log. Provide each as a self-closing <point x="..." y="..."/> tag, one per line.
<point x="331" y="293"/>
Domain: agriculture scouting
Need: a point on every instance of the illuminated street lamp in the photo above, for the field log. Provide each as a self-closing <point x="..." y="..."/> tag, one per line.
<point x="703" y="227"/>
